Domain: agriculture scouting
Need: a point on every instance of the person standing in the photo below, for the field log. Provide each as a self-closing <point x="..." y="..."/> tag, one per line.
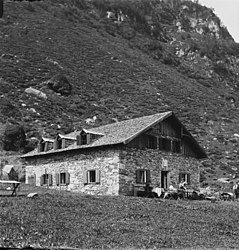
<point x="236" y="190"/>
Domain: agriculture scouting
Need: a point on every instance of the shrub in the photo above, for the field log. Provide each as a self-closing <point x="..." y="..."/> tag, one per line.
<point x="221" y="69"/>
<point x="170" y="59"/>
<point x="155" y="45"/>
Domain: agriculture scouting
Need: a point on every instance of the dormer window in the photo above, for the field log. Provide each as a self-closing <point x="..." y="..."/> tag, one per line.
<point x="59" y="143"/>
<point x="42" y="146"/>
<point x="86" y="137"/>
<point x="45" y="144"/>
<point x="63" y="141"/>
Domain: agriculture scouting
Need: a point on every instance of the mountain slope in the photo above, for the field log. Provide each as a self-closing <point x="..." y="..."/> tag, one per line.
<point x="162" y="57"/>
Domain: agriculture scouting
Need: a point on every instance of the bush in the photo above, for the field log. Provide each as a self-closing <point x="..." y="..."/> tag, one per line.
<point x="170" y="59"/>
<point x="155" y="45"/>
<point x="221" y="69"/>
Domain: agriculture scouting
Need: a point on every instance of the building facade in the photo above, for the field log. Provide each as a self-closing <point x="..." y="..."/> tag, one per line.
<point x="118" y="158"/>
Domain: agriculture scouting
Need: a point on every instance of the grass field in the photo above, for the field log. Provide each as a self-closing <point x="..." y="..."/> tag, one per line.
<point x="72" y="220"/>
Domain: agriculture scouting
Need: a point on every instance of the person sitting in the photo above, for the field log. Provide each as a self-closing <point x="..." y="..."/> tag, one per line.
<point x="182" y="185"/>
<point x="182" y="189"/>
<point x="172" y="188"/>
<point x="158" y="190"/>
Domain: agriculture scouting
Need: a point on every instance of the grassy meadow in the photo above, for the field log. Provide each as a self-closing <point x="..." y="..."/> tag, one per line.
<point x="66" y="220"/>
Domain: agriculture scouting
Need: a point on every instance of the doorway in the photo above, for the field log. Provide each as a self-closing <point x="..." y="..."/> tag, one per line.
<point x="164" y="179"/>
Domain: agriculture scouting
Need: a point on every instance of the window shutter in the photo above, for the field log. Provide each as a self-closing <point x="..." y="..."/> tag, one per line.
<point x="55" y="145"/>
<point x="137" y="176"/>
<point x="67" y="178"/>
<point x="180" y="177"/>
<point x="63" y="143"/>
<point x="50" y="179"/>
<point x="188" y="179"/>
<point x="41" y="180"/>
<point x="85" y="177"/>
<point x="147" y="176"/>
<point x="88" y="138"/>
<point x="57" y="179"/>
<point x="97" y="175"/>
<point x="39" y="147"/>
<point x="45" y="146"/>
<point x="78" y="140"/>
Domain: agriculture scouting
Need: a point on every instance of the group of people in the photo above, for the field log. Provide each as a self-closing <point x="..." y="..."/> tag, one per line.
<point x="180" y="191"/>
<point x="161" y="192"/>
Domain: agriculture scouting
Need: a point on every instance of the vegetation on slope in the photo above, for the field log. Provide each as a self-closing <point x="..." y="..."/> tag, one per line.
<point x="94" y="222"/>
<point x="163" y="55"/>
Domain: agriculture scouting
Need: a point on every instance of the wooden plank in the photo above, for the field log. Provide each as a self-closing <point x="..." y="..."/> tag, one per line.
<point x="9" y="182"/>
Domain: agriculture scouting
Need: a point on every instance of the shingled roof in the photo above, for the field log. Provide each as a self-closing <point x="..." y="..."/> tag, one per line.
<point x="114" y="133"/>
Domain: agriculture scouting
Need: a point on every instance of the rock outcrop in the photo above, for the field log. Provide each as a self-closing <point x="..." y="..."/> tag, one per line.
<point x="60" y="84"/>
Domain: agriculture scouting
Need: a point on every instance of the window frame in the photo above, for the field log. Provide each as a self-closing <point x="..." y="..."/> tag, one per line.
<point x="88" y="176"/>
<point x="185" y="176"/>
<point x="176" y="146"/>
<point x="59" y="178"/>
<point x="142" y="176"/>
<point x="46" y="181"/>
<point x="165" y="144"/>
<point x="84" y="139"/>
<point x="151" y="142"/>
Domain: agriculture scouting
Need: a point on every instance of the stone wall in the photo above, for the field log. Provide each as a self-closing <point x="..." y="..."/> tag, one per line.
<point x="76" y="163"/>
<point x="117" y="168"/>
<point x="132" y="159"/>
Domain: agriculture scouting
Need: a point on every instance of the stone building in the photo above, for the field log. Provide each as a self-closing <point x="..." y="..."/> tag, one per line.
<point x="118" y="158"/>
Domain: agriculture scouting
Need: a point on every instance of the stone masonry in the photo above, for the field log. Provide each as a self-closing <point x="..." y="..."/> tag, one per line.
<point x="106" y="161"/>
<point x="132" y="159"/>
<point x="117" y="166"/>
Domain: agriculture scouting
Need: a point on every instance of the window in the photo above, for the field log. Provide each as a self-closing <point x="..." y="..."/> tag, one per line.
<point x="46" y="179"/>
<point x="165" y="144"/>
<point x="92" y="176"/>
<point x="142" y="176"/>
<point x="62" y="178"/>
<point x="184" y="177"/>
<point x="151" y="142"/>
<point x="83" y="139"/>
<point x="42" y="146"/>
<point x="176" y="147"/>
<point x="59" y="143"/>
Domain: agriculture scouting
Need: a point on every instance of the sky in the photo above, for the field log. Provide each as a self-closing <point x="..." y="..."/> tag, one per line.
<point x="228" y="12"/>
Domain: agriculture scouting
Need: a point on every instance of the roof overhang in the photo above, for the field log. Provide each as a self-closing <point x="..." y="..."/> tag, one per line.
<point x="169" y="113"/>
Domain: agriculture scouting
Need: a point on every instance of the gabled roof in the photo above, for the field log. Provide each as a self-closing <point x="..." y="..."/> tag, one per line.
<point x="115" y="133"/>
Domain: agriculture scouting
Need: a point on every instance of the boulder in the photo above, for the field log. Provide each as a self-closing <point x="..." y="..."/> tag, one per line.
<point x="36" y="92"/>
<point x="60" y="84"/>
<point x="12" y="137"/>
